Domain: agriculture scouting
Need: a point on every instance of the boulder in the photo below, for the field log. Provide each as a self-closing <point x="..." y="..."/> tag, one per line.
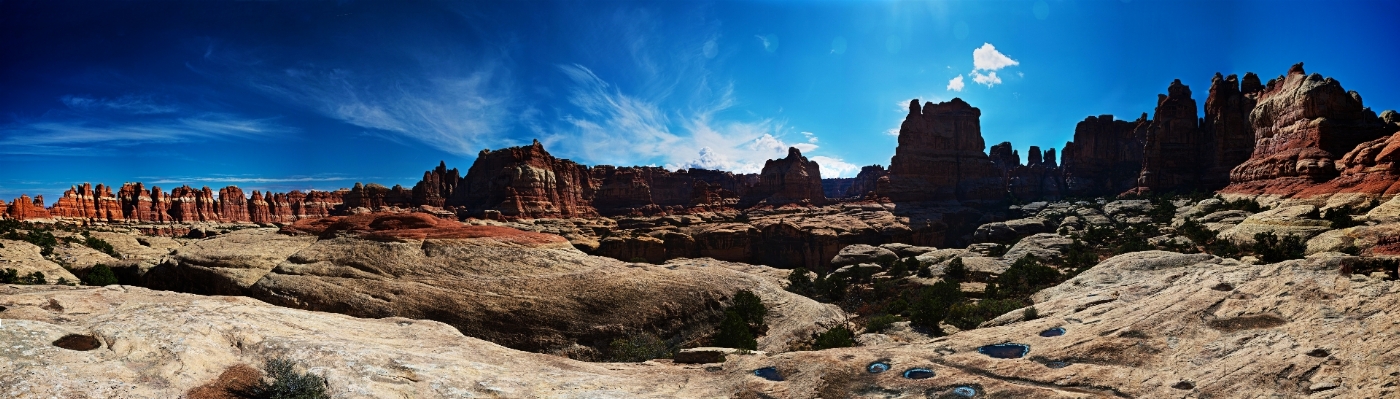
<point x="861" y="253"/>
<point x="1043" y="246"/>
<point x="1299" y="220"/>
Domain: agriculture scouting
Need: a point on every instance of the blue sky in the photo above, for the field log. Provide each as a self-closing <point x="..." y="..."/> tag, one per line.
<point x="299" y="95"/>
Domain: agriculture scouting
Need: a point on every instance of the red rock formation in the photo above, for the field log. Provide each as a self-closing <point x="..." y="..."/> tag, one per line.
<point x="834" y="188"/>
<point x="76" y="203"/>
<point x="791" y="180"/>
<point x="160" y="205"/>
<point x="1105" y="156"/>
<point x="940" y="158"/>
<point x="232" y="206"/>
<point x="23" y="208"/>
<point x="1303" y="125"/>
<point x="317" y="204"/>
<point x="620" y="189"/>
<point x="1004" y="157"/>
<point x="137" y="204"/>
<point x="437" y="186"/>
<point x="374" y="196"/>
<point x="525" y="182"/>
<point x="866" y="181"/>
<point x="1227" y="125"/>
<point x="188" y="204"/>
<point x="258" y="209"/>
<point x="1037" y="180"/>
<point x="1176" y="147"/>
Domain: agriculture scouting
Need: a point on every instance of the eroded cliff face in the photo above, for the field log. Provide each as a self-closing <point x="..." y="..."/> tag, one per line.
<point x="1175" y="145"/>
<point x="1105" y="156"/>
<point x="940" y="158"/>
<point x="525" y="182"/>
<point x="1226" y="123"/>
<point x="1305" y="126"/>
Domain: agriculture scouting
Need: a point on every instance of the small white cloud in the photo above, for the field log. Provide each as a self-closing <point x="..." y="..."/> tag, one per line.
<point x="990" y="79"/>
<point x="811" y="137"/>
<point x="956" y="84"/>
<point x="770" y="42"/>
<point x="894" y="131"/>
<point x="987" y="58"/>
<point x="835" y="167"/>
<point x="805" y="147"/>
<point x="1021" y="74"/>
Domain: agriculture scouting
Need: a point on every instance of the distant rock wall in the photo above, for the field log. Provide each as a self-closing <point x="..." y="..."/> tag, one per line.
<point x="941" y="158"/>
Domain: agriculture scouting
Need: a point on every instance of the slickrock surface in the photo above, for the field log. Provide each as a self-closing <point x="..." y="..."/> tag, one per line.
<point x="521" y="289"/>
<point x="26" y="258"/>
<point x="1144" y="324"/>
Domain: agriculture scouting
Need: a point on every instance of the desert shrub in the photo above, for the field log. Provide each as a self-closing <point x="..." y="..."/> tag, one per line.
<point x="831" y="287"/>
<point x="100" y="275"/>
<point x="734" y="333"/>
<point x="43" y="239"/>
<point x="283" y="382"/>
<point x="1196" y="232"/>
<point x="1022" y="279"/>
<point x="1272" y="249"/>
<point x="1079" y="256"/>
<point x="1099" y="235"/>
<point x="1242" y="204"/>
<point x="638" y="259"/>
<point x="836" y="337"/>
<point x="901" y="268"/>
<point x="12" y="276"/>
<point x="1163" y="210"/>
<point x="997" y="250"/>
<point x="1030" y="314"/>
<point x="897" y="306"/>
<point x="956" y="270"/>
<point x="1340" y="217"/>
<point x="100" y="245"/>
<point x="968" y="315"/>
<point x="933" y="304"/>
<point x="800" y="283"/>
<point x="638" y="348"/>
<point x="9" y="276"/>
<point x="749" y="307"/>
<point x="880" y="322"/>
<point x="924" y="271"/>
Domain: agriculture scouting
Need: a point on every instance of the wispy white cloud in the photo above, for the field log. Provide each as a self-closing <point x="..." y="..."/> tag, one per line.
<point x="987" y="58"/>
<point x="45" y="137"/>
<point x="614" y="127"/>
<point x="956" y="84"/>
<point x="128" y="104"/>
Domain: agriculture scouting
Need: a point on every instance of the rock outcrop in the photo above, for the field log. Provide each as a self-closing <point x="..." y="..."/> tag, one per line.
<point x="941" y="158"/>
<point x="437" y="186"/>
<point x="1175" y="148"/>
<point x="1105" y="157"/>
<point x="23" y="208"/>
<point x="521" y="289"/>
<point x="86" y="202"/>
<point x="525" y="182"/>
<point x="791" y="180"/>
<point x="375" y="196"/>
<point x="1304" y="127"/>
<point x="1226" y="123"/>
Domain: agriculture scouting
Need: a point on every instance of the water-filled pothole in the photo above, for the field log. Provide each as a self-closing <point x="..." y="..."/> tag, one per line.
<point x="1005" y="351"/>
<point x="918" y="373"/>
<point x="965" y="391"/>
<point x="877" y="367"/>
<point x="1054" y="332"/>
<point x="1318" y="353"/>
<point x="1184" y="385"/>
<point x="769" y="373"/>
<point x="78" y="342"/>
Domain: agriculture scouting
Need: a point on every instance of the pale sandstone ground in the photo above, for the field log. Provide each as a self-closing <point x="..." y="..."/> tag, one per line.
<point x="1146" y="324"/>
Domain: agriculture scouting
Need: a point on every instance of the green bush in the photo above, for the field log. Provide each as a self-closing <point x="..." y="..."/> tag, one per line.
<point x="43" y="239"/>
<point x="967" y="315"/>
<point x="956" y="270"/>
<point x="749" y="307"/>
<point x="836" y="337"/>
<point x="12" y="276"/>
<point x="283" y="382"/>
<point x="900" y="268"/>
<point x="1080" y="257"/>
<point x="9" y="276"/>
<point x="734" y="333"/>
<point x="800" y="283"/>
<point x="638" y="348"/>
<point x="1030" y="314"/>
<point x="831" y="287"/>
<point x="100" y="275"/>
<point x="100" y="245"/>
<point x="1272" y="249"/>
<point x="1163" y="210"/>
<point x="1340" y="217"/>
<point x="924" y="271"/>
<point x="897" y="306"/>
<point x="933" y="304"/>
<point x="1022" y="279"/>
<point x="880" y="322"/>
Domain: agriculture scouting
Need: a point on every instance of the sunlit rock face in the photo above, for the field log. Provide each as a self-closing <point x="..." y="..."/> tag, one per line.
<point x="1314" y="139"/>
